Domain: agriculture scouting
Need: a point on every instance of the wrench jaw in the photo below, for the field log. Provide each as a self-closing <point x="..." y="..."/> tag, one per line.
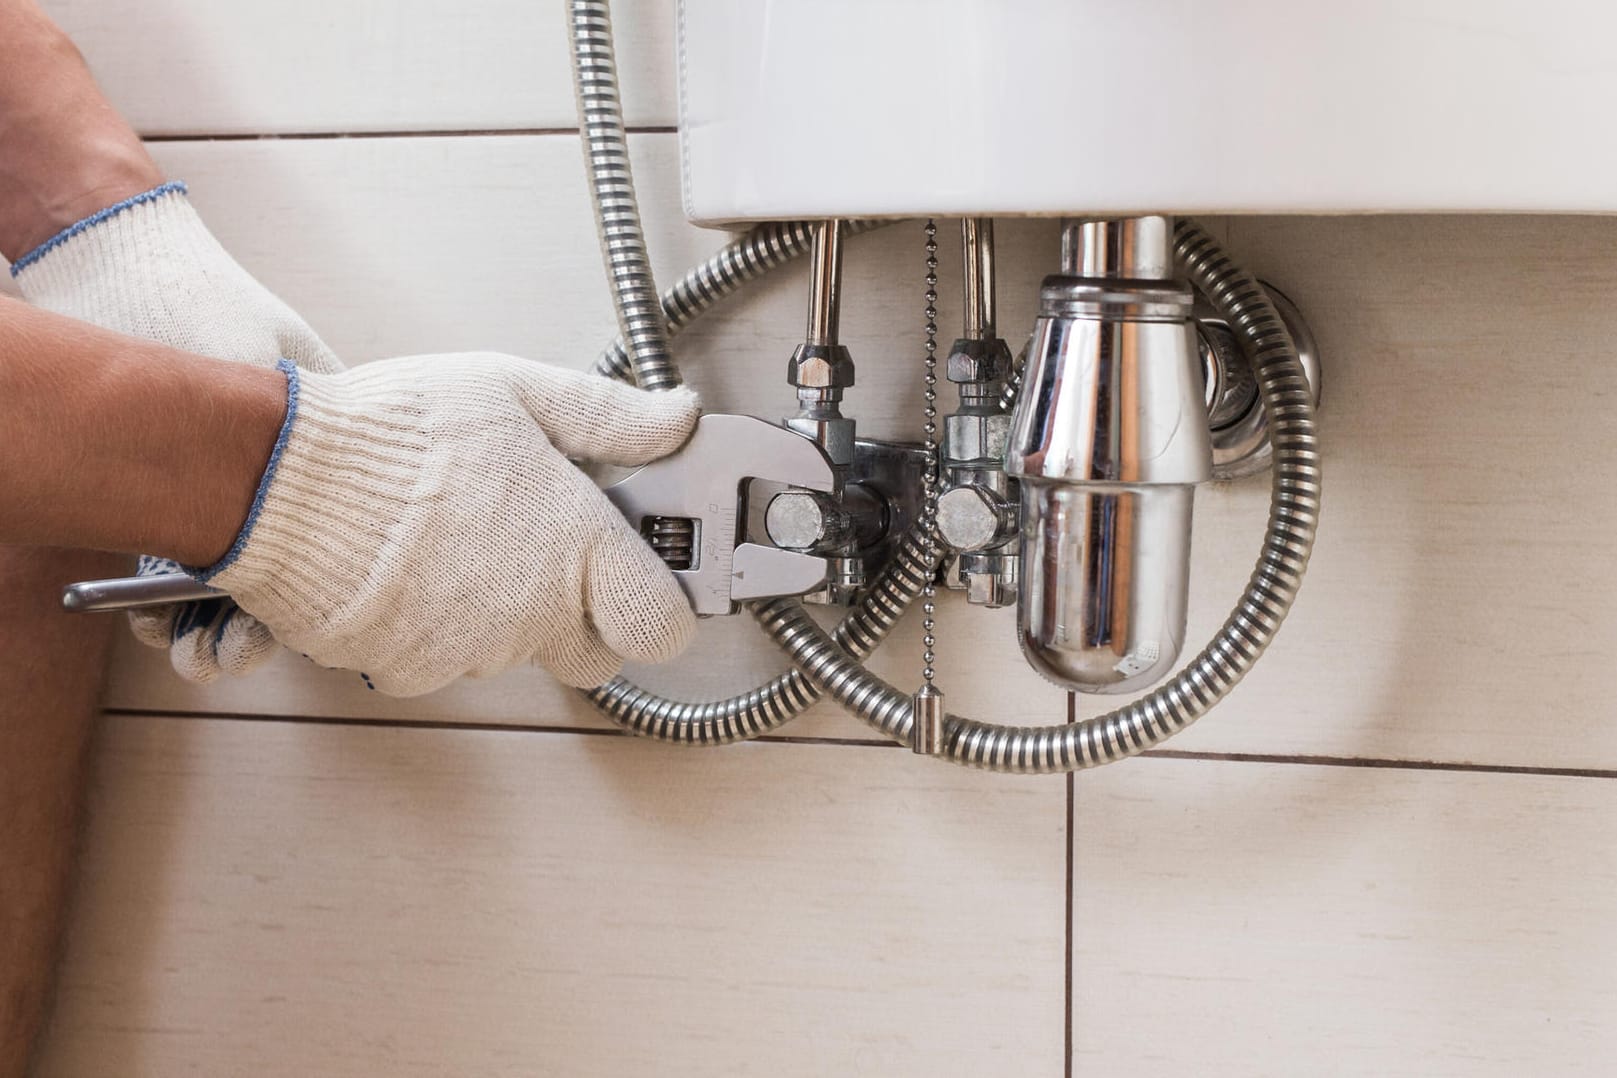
<point x="708" y="481"/>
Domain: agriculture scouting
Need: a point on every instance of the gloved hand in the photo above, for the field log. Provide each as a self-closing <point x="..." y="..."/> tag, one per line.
<point x="419" y="520"/>
<point x="148" y="267"/>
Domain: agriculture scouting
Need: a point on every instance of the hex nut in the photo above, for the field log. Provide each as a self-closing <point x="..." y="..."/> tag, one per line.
<point x="971" y="517"/>
<point x="976" y="436"/>
<point x="973" y="360"/>
<point x="820" y="366"/>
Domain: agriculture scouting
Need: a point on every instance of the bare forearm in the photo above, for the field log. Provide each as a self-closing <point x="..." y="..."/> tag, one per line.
<point x="64" y="151"/>
<point x="49" y="684"/>
<point x="112" y="443"/>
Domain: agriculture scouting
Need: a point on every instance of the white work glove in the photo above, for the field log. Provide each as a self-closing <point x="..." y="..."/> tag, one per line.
<point x="419" y="520"/>
<point x="148" y="267"/>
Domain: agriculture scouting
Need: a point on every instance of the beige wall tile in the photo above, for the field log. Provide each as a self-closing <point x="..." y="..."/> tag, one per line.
<point x="1268" y="919"/>
<point x="200" y="67"/>
<point x="274" y="898"/>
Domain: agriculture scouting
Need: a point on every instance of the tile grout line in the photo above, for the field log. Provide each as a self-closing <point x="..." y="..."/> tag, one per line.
<point x="449" y="724"/>
<point x="326" y="136"/>
<point x="1298" y="760"/>
<point x="1383" y="763"/>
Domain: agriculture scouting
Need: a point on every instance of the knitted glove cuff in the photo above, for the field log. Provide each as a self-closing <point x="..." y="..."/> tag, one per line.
<point x="148" y="267"/>
<point x="340" y="469"/>
<point x="154" y="227"/>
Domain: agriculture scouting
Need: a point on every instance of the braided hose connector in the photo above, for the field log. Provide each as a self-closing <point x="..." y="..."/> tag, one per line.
<point x="748" y="256"/>
<point x="617" y="215"/>
<point x="1209" y="677"/>
<point x="787" y="696"/>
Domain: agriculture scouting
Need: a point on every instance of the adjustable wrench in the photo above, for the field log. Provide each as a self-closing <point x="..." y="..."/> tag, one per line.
<point x="706" y="481"/>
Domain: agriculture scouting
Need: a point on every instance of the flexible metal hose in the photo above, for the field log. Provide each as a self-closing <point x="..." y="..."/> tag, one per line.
<point x="617" y="215"/>
<point x="831" y="662"/>
<point x="771" y="705"/>
<point x="750" y="255"/>
<point x="750" y="714"/>
<point x="1209" y="677"/>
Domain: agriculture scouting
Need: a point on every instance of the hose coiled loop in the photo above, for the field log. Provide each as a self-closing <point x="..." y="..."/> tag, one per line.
<point x="1209" y="677"/>
<point x="787" y="696"/>
<point x="611" y="183"/>
<point x="750" y="255"/>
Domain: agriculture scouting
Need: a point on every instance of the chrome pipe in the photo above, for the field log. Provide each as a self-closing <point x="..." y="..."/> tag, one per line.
<point x="1220" y="666"/>
<point x="831" y="664"/>
<point x="977" y="252"/>
<point x="825" y="284"/>
<point x="744" y="259"/>
<point x="1117" y="247"/>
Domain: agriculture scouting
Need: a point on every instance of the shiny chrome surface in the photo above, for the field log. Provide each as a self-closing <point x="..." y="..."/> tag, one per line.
<point x="825" y="268"/>
<point x="827" y="663"/>
<point x="744" y="259"/>
<point x="1258" y="614"/>
<point x="927" y="729"/>
<point x="977" y="277"/>
<point x="1108" y="440"/>
<point x="706" y="481"/>
<point x="820" y="368"/>
<point x="989" y="578"/>
<point x="889" y="593"/>
<point x="1117" y="247"/>
<point x="1105" y="578"/>
<point x="1109" y="396"/>
<point x="976" y="513"/>
<point x="131" y="592"/>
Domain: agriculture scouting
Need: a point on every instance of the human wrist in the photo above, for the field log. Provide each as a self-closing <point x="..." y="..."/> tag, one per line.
<point x="64" y="151"/>
<point x="241" y="418"/>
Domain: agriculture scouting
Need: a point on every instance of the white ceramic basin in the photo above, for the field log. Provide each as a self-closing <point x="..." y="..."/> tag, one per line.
<point x="802" y="108"/>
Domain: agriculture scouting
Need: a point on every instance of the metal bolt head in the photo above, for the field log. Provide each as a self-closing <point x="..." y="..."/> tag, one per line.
<point x="974" y="360"/>
<point x="795" y="520"/>
<point x="820" y="366"/>
<point x="969" y="518"/>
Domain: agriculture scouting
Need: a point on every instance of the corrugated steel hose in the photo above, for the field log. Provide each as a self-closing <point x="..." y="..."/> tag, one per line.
<point x="1208" y="678"/>
<point x="830" y="663"/>
<point x="611" y="183"/>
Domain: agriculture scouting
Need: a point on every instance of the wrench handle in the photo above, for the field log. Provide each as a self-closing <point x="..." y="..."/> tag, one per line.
<point x="129" y="592"/>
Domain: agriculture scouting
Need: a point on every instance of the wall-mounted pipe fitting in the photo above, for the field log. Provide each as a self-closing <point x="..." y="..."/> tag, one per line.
<point x="977" y="510"/>
<point x="821" y="367"/>
<point x="1109" y="439"/>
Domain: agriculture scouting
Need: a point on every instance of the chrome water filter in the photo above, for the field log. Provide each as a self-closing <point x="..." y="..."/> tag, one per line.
<point x="1109" y="439"/>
